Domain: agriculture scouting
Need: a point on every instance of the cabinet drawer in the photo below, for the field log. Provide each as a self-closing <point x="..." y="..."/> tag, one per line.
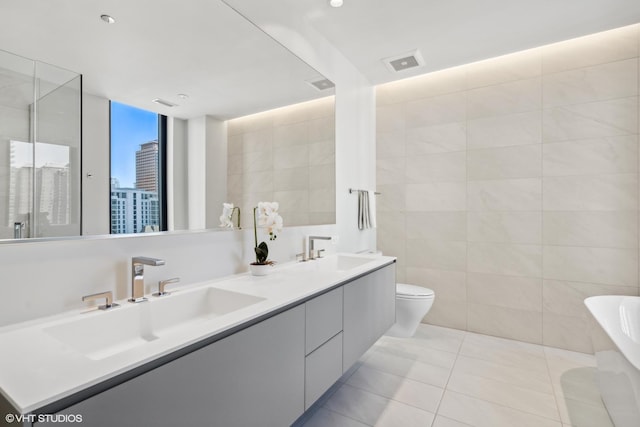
<point x="322" y="369"/>
<point x="323" y="319"/>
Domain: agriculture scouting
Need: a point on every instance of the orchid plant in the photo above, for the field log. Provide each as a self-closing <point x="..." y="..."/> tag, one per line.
<point x="266" y="216"/>
<point x="226" y="219"/>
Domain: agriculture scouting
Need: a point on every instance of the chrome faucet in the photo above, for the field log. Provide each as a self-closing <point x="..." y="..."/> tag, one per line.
<point x="311" y="240"/>
<point x="137" y="276"/>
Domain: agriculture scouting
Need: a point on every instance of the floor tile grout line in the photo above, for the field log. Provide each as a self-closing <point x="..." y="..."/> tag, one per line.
<point x="396" y="400"/>
<point x="412" y="379"/>
<point x="446" y="386"/>
<point x="346" y="416"/>
<point x="559" y="420"/>
<point x="508" y="383"/>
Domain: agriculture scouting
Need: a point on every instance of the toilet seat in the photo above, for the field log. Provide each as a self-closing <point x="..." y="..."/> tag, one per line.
<point x="406" y="291"/>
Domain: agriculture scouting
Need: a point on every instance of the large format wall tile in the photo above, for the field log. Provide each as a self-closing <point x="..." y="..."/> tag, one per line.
<point x="505" y="227"/>
<point x="505" y="259"/>
<point x="432" y="111"/>
<point x="505" y="195"/>
<point x="390" y="118"/>
<point x="436" y="139"/>
<point x="614" y="229"/>
<point x="451" y="226"/>
<point x="591" y="120"/>
<point x="592" y="265"/>
<point x="290" y="135"/>
<point x="504" y="163"/>
<point x="447" y="284"/>
<point x="566" y="332"/>
<point x="517" y="182"/>
<point x="567" y="298"/>
<point x="390" y="144"/>
<point x="522" y="293"/>
<point x="437" y="167"/>
<point x="616" y="154"/>
<point x="506" y="98"/>
<point x="600" y="82"/>
<point x="436" y="254"/>
<point x="505" y="131"/>
<point x="390" y="170"/>
<point x="391" y="198"/>
<point x="437" y="196"/>
<point x="505" y="322"/>
<point x="591" y="193"/>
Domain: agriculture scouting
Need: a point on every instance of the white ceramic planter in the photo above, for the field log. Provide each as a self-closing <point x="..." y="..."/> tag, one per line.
<point x="260" y="270"/>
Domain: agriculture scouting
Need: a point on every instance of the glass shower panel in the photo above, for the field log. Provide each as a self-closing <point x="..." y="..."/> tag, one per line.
<point x="16" y="152"/>
<point x="57" y="153"/>
<point x="40" y="148"/>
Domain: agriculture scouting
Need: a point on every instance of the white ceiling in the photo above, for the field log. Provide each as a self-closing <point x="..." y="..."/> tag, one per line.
<point x="456" y="32"/>
<point x="160" y="48"/>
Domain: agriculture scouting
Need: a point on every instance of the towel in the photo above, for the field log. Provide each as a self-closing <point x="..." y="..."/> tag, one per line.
<point x="366" y="210"/>
<point x="373" y="219"/>
<point x="361" y="213"/>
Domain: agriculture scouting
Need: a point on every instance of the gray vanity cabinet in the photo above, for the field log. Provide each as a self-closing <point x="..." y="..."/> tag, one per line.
<point x="323" y="361"/>
<point x="265" y="375"/>
<point x="369" y="312"/>
<point x="254" y="377"/>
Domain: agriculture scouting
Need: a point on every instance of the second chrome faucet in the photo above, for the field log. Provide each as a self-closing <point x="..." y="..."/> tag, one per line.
<point x="137" y="276"/>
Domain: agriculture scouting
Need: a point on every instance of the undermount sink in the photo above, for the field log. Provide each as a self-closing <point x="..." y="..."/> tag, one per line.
<point x="107" y="333"/>
<point x="104" y="334"/>
<point x="341" y="262"/>
<point x="174" y="311"/>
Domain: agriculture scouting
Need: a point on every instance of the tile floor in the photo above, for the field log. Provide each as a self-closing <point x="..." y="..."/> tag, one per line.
<point x="449" y="378"/>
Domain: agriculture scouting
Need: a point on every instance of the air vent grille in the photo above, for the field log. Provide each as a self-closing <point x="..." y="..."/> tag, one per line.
<point x="165" y="103"/>
<point x="323" y="84"/>
<point x="405" y="61"/>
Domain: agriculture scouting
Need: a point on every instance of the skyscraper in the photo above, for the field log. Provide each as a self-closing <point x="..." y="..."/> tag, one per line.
<point x="147" y="166"/>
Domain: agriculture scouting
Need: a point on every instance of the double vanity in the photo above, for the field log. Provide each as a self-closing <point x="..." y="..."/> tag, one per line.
<point x="238" y="351"/>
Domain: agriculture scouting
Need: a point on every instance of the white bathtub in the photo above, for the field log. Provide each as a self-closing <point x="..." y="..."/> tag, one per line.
<point x="616" y="343"/>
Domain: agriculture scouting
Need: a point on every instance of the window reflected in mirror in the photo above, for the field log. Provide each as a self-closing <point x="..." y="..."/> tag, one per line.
<point x="137" y="173"/>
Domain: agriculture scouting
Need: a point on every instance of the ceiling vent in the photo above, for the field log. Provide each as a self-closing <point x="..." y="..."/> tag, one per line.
<point x="323" y="84"/>
<point x="165" y="103"/>
<point x="404" y="61"/>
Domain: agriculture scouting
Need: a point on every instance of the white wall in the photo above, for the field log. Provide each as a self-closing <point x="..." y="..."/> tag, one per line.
<point x="216" y="171"/>
<point x="46" y="278"/>
<point x="177" y="194"/>
<point x="95" y="149"/>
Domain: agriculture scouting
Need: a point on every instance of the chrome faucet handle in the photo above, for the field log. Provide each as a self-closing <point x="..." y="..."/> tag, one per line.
<point x="137" y="276"/>
<point x="162" y="284"/>
<point x="302" y="256"/>
<point x="319" y="253"/>
<point x="108" y="295"/>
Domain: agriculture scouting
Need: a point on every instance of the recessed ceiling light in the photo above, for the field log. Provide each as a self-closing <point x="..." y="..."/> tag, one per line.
<point x="183" y="96"/>
<point x="335" y="3"/>
<point x="108" y="19"/>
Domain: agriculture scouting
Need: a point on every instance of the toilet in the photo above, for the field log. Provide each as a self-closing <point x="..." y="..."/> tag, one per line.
<point x="412" y="303"/>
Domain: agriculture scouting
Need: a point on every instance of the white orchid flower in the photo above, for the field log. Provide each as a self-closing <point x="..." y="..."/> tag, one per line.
<point x="225" y="218"/>
<point x="269" y="218"/>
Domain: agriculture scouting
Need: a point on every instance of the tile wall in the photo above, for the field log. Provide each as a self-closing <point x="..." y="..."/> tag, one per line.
<point x="510" y="186"/>
<point x="285" y="155"/>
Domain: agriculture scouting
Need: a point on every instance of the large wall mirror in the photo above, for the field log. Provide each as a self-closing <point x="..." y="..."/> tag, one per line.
<point x="272" y="114"/>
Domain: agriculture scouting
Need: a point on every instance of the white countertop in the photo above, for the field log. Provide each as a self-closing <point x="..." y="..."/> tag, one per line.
<point x="38" y="369"/>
